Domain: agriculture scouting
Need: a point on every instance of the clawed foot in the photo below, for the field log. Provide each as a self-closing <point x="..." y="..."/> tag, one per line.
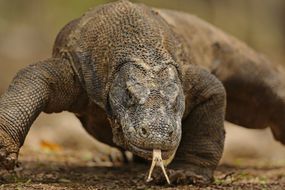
<point x="111" y="155"/>
<point x="180" y="177"/>
<point x="118" y="156"/>
<point x="8" y="152"/>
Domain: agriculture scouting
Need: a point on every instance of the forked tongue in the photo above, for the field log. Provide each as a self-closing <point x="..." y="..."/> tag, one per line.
<point x="157" y="161"/>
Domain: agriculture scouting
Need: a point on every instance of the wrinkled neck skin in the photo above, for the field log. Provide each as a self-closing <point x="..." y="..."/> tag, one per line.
<point x="147" y="104"/>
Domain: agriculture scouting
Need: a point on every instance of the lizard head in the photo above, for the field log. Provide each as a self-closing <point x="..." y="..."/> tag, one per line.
<point x="147" y="104"/>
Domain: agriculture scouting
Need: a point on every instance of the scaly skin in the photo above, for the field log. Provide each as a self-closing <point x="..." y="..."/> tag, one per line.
<point x="35" y="89"/>
<point x="255" y="86"/>
<point x="142" y="79"/>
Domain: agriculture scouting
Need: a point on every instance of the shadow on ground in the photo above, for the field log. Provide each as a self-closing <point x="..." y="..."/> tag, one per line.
<point x="70" y="170"/>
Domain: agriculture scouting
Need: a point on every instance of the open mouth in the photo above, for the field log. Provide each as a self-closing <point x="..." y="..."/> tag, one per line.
<point x="148" y="153"/>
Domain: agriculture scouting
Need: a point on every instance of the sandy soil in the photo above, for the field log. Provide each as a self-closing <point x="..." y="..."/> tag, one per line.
<point x="77" y="170"/>
<point x="252" y="159"/>
<point x="58" y="154"/>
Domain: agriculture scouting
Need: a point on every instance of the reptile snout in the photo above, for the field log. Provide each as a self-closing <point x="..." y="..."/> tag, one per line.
<point x="146" y="131"/>
<point x="160" y="133"/>
<point x="156" y="133"/>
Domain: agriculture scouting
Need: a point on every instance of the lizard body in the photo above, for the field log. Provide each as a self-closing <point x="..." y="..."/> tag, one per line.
<point x="141" y="79"/>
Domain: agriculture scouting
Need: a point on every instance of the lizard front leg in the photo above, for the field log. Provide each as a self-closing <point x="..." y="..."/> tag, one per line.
<point x="203" y="134"/>
<point x="49" y="86"/>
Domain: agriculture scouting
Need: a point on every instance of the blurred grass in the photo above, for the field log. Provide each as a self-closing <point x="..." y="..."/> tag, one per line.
<point x="47" y="16"/>
<point x="28" y="28"/>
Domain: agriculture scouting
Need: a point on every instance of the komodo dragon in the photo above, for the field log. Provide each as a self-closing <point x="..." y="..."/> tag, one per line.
<point x="142" y="79"/>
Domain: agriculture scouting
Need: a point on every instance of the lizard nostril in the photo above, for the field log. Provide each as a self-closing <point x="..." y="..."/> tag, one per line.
<point x="144" y="131"/>
<point x="170" y="133"/>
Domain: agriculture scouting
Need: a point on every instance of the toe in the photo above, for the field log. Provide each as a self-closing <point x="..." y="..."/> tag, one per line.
<point x="10" y="161"/>
<point x="3" y="154"/>
<point x="116" y="156"/>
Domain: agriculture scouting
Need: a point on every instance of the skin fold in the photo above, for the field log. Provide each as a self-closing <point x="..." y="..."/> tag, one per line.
<point x="141" y="79"/>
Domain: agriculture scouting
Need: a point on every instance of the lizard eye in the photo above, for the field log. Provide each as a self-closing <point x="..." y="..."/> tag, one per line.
<point x="130" y="98"/>
<point x="170" y="91"/>
<point x="137" y="92"/>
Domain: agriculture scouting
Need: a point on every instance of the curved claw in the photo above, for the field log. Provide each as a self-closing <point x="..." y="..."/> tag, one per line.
<point x="8" y="161"/>
<point x="3" y="154"/>
<point x="8" y="152"/>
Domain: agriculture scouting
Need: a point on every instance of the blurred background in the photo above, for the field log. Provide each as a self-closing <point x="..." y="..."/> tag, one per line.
<point x="28" y="29"/>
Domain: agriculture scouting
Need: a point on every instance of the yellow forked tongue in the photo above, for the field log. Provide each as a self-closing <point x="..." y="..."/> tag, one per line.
<point x="157" y="161"/>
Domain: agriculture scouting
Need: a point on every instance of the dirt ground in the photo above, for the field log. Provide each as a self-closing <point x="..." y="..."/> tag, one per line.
<point x="58" y="154"/>
<point x="79" y="170"/>
<point x="62" y="166"/>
